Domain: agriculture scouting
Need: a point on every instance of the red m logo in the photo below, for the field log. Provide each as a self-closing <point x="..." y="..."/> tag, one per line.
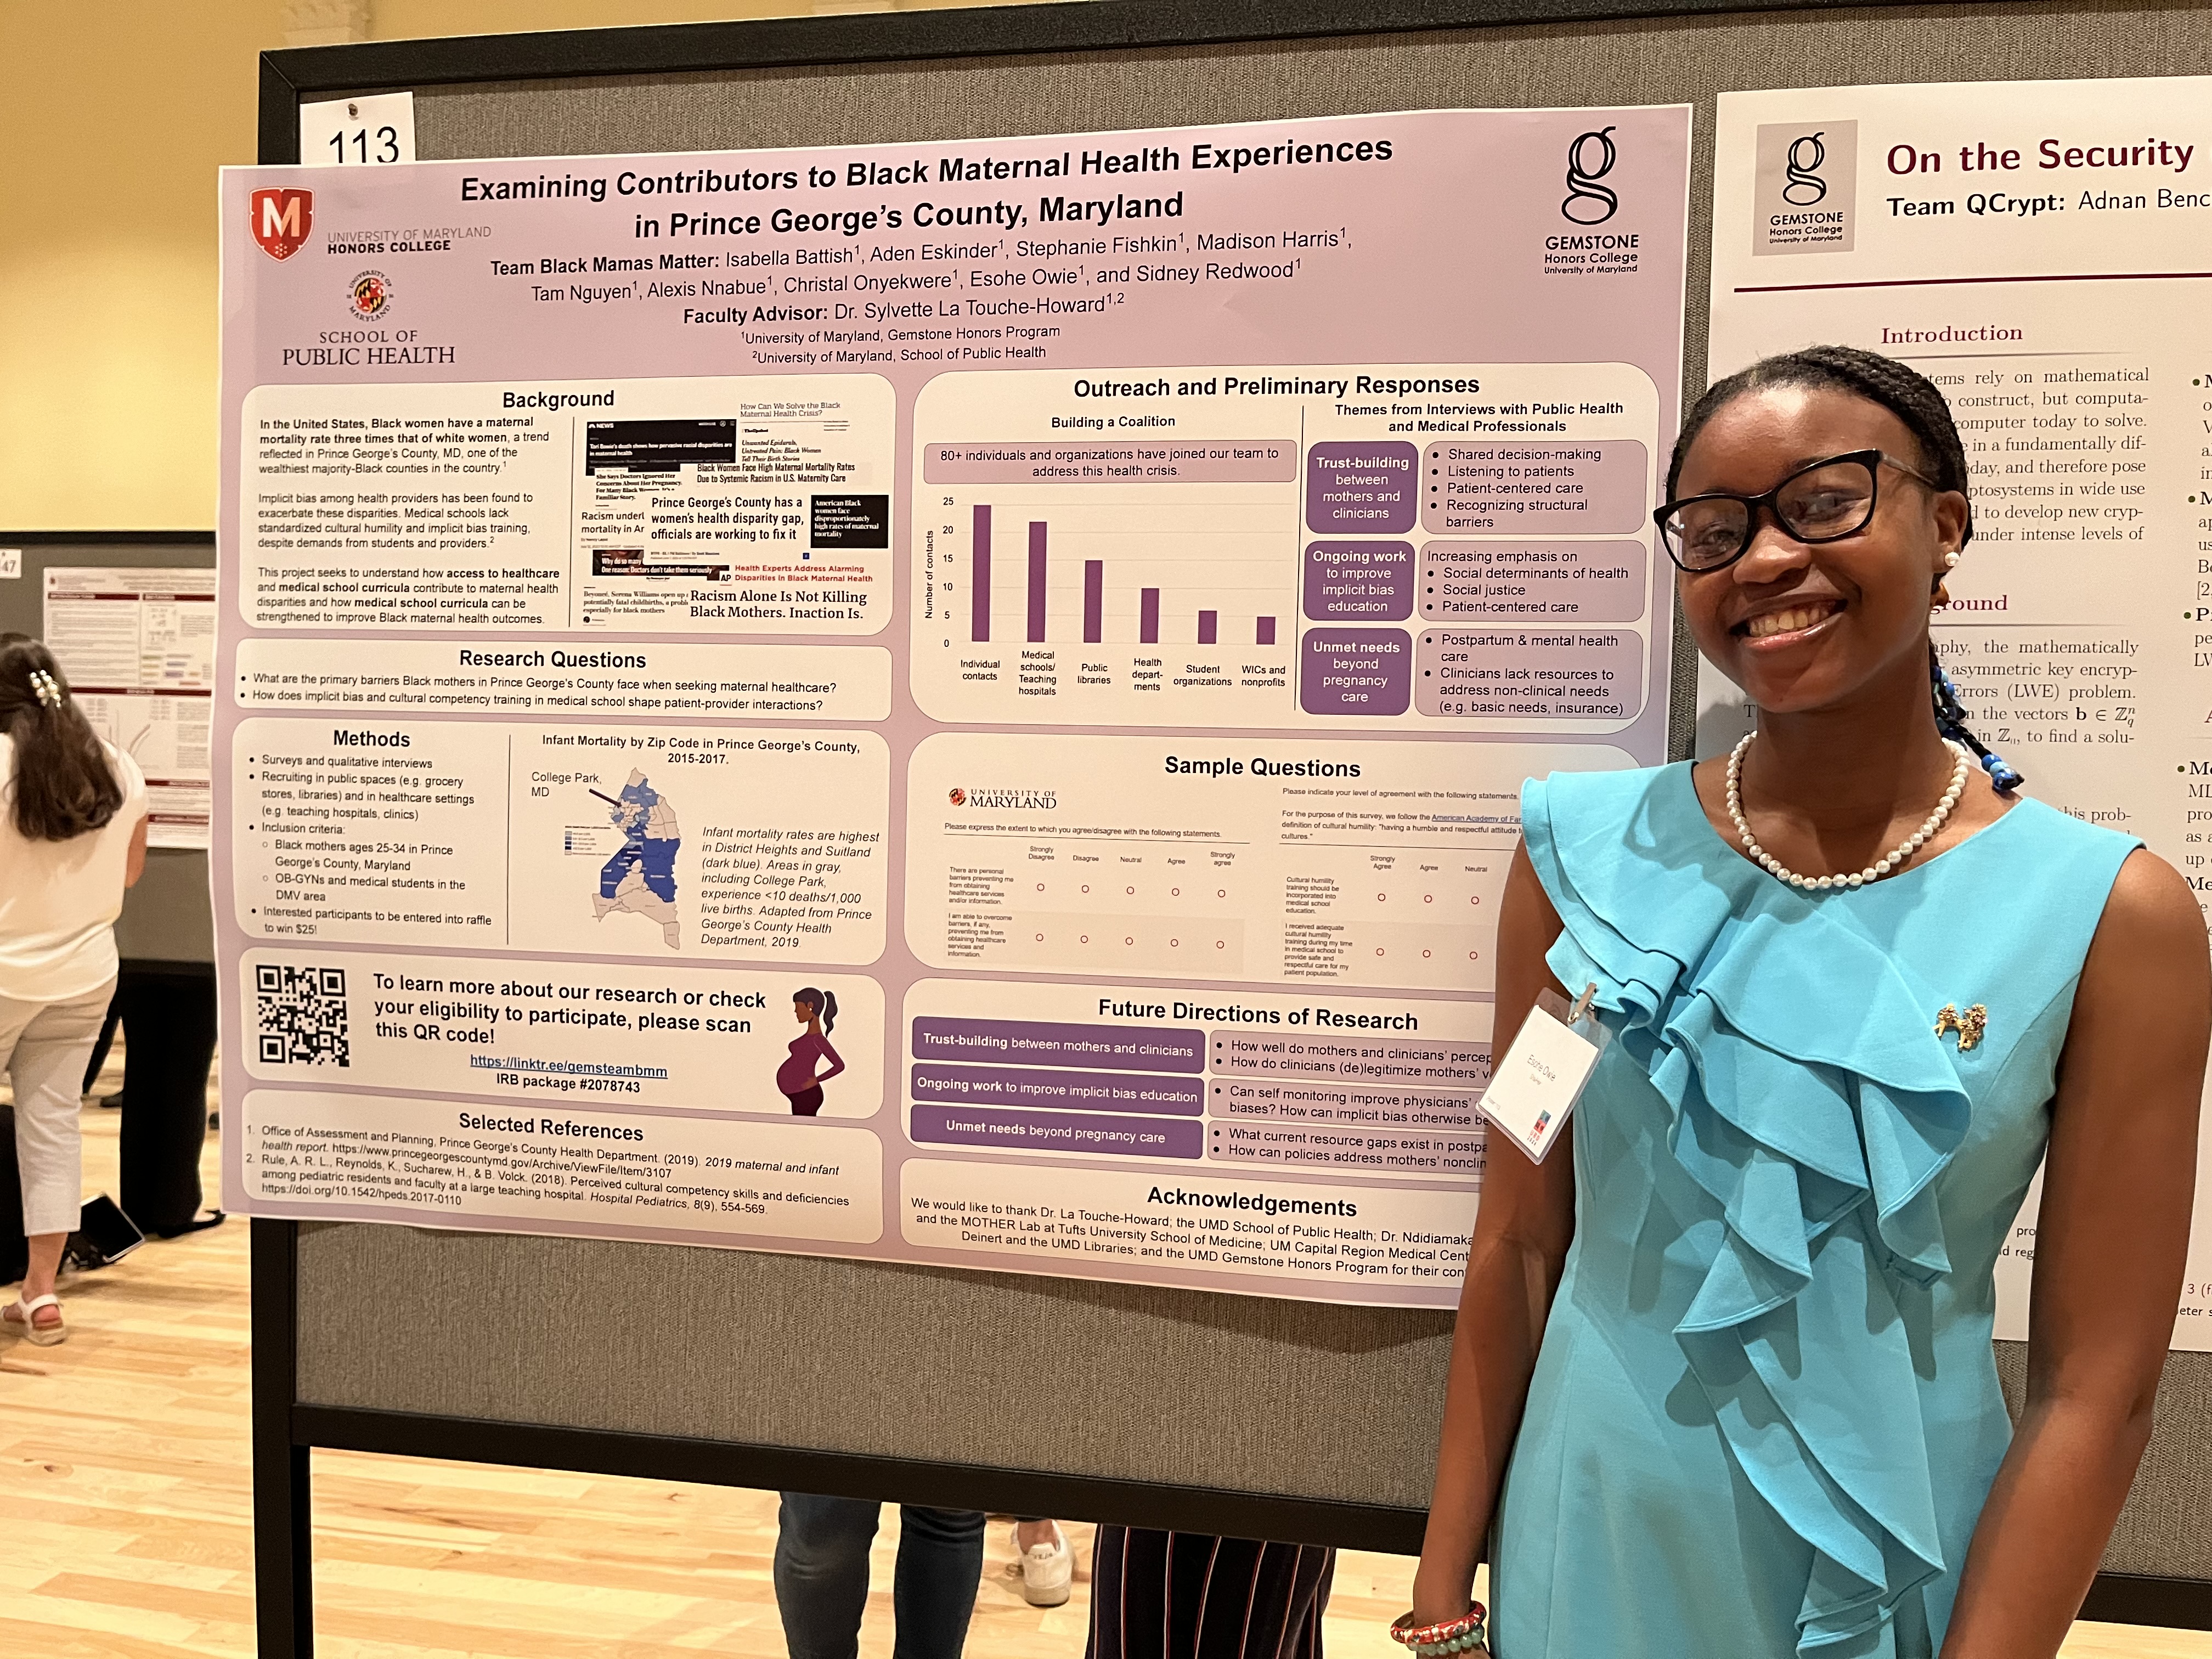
<point x="282" y="220"/>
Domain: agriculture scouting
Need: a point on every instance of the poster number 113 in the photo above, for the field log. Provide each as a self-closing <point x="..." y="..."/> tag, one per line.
<point x="361" y="145"/>
<point x="358" y="131"/>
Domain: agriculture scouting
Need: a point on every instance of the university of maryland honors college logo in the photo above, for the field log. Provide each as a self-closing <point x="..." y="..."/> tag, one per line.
<point x="282" y="220"/>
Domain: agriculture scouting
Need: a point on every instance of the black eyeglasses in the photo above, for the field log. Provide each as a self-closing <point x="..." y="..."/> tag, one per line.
<point x="1824" y="501"/>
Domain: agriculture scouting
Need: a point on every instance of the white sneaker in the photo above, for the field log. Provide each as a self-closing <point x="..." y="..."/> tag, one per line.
<point x="1048" y="1569"/>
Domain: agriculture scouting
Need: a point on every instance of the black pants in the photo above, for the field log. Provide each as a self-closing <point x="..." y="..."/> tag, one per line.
<point x="1190" y="1595"/>
<point x="169" y="1033"/>
<point x="822" y="1576"/>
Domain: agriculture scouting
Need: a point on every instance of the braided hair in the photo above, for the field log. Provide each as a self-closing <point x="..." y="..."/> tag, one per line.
<point x="63" y="785"/>
<point x="1914" y="399"/>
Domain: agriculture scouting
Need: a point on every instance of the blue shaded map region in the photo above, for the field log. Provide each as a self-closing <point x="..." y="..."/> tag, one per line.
<point x="653" y="854"/>
<point x="640" y="878"/>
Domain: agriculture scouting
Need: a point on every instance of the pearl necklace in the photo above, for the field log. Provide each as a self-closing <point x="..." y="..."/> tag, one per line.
<point x="1874" y="872"/>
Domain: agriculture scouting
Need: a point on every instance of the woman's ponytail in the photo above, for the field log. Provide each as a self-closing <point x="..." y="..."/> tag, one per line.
<point x="824" y="1005"/>
<point x="63" y="785"/>
<point x="1951" y="721"/>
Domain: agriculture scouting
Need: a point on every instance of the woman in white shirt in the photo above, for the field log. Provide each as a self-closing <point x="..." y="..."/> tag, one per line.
<point x="72" y="837"/>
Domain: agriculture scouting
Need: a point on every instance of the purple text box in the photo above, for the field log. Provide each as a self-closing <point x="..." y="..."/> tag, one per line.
<point x="1093" y="1092"/>
<point x="1298" y="1102"/>
<point x="1332" y="1148"/>
<point x="1518" y="582"/>
<point x="1362" y="489"/>
<point x="1355" y="670"/>
<point x="1153" y="460"/>
<point x="1047" y="1042"/>
<point x="1359" y="581"/>
<point x="1541" y="673"/>
<point x="1412" y="1062"/>
<point x="1475" y="488"/>
<point x="1058" y="1132"/>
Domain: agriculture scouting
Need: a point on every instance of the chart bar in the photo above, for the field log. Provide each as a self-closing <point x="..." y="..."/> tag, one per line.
<point x="1036" y="581"/>
<point x="1037" y="619"/>
<point x="979" y="576"/>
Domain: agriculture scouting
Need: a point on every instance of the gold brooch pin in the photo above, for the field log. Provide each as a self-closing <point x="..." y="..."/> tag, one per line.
<point x="1970" y="1025"/>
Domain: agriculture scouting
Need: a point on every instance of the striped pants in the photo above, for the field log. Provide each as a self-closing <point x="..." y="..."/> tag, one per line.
<point x="1190" y="1595"/>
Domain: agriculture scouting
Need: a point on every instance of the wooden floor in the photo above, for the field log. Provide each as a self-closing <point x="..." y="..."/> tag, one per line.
<point x="124" y="1518"/>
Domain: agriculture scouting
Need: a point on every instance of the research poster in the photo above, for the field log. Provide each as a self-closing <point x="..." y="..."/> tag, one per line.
<point x="2038" y="249"/>
<point x="138" y="644"/>
<point x="959" y="702"/>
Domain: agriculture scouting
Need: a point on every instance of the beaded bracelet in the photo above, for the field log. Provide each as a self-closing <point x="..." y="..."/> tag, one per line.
<point x="1464" y="1634"/>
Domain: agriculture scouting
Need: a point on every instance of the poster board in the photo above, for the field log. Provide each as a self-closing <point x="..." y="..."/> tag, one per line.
<point x="166" y="925"/>
<point x="2050" y="282"/>
<point x="855" y="80"/>
<point x="962" y="703"/>
<point x="139" y="646"/>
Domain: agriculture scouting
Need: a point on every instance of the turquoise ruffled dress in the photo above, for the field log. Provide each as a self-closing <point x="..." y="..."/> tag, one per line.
<point x="1765" y="1414"/>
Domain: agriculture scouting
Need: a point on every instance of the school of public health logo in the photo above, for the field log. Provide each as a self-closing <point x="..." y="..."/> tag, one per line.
<point x="1589" y="159"/>
<point x="1006" y="799"/>
<point x="370" y="294"/>
<point x="281" y="219"/>
<point x="1805" y="187"/>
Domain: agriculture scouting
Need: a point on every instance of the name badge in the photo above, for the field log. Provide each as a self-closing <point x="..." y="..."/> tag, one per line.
<point x="1534" y="1086"/>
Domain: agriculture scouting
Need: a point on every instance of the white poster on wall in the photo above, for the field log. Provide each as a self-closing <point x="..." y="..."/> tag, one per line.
<point x="958" y="703"/>
<point x="138" y="647"/>
<point x="2038" y="250"/>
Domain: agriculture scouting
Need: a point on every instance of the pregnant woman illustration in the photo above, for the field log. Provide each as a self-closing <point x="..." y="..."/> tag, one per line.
<point x="796" y="1078"/>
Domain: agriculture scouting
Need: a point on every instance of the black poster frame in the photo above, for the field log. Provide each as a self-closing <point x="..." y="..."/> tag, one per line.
<point x="285" y="1428"/>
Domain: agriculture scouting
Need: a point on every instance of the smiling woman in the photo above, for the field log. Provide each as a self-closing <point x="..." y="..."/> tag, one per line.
<point x="1722" y="1382"/>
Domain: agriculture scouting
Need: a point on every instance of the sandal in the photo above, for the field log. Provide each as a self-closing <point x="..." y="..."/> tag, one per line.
<point x="24" y="1316"/>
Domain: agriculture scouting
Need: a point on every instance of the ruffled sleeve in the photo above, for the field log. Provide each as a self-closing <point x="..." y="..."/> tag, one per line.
<point x="1810" y="1098"/>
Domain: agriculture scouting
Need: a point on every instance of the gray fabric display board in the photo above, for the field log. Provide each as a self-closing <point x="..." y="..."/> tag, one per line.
<point x="1292" y="1420"/>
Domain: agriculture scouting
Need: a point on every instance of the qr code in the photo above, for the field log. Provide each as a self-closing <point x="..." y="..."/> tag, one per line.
<point x="300" y="1014"/>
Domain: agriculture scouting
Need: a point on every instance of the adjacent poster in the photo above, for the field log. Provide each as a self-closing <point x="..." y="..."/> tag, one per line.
<point x="954" y="703"/>
<point x="2038" y="249"/>
<point x="138" y="644"/>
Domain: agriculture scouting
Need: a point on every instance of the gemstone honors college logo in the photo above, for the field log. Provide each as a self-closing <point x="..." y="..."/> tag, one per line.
<point x="1590" y="158"/>
<point x="370" y="296"/>
<point x="1805" y="187"/>
<point x="281" y="219"/>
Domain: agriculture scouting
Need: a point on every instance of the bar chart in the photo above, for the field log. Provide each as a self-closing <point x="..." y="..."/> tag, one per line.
<point x="1198" y="548"/>
<point x="1075" y="569"/>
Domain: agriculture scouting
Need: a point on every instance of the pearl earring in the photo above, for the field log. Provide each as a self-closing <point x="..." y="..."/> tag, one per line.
<point x="1951" y="560"/>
